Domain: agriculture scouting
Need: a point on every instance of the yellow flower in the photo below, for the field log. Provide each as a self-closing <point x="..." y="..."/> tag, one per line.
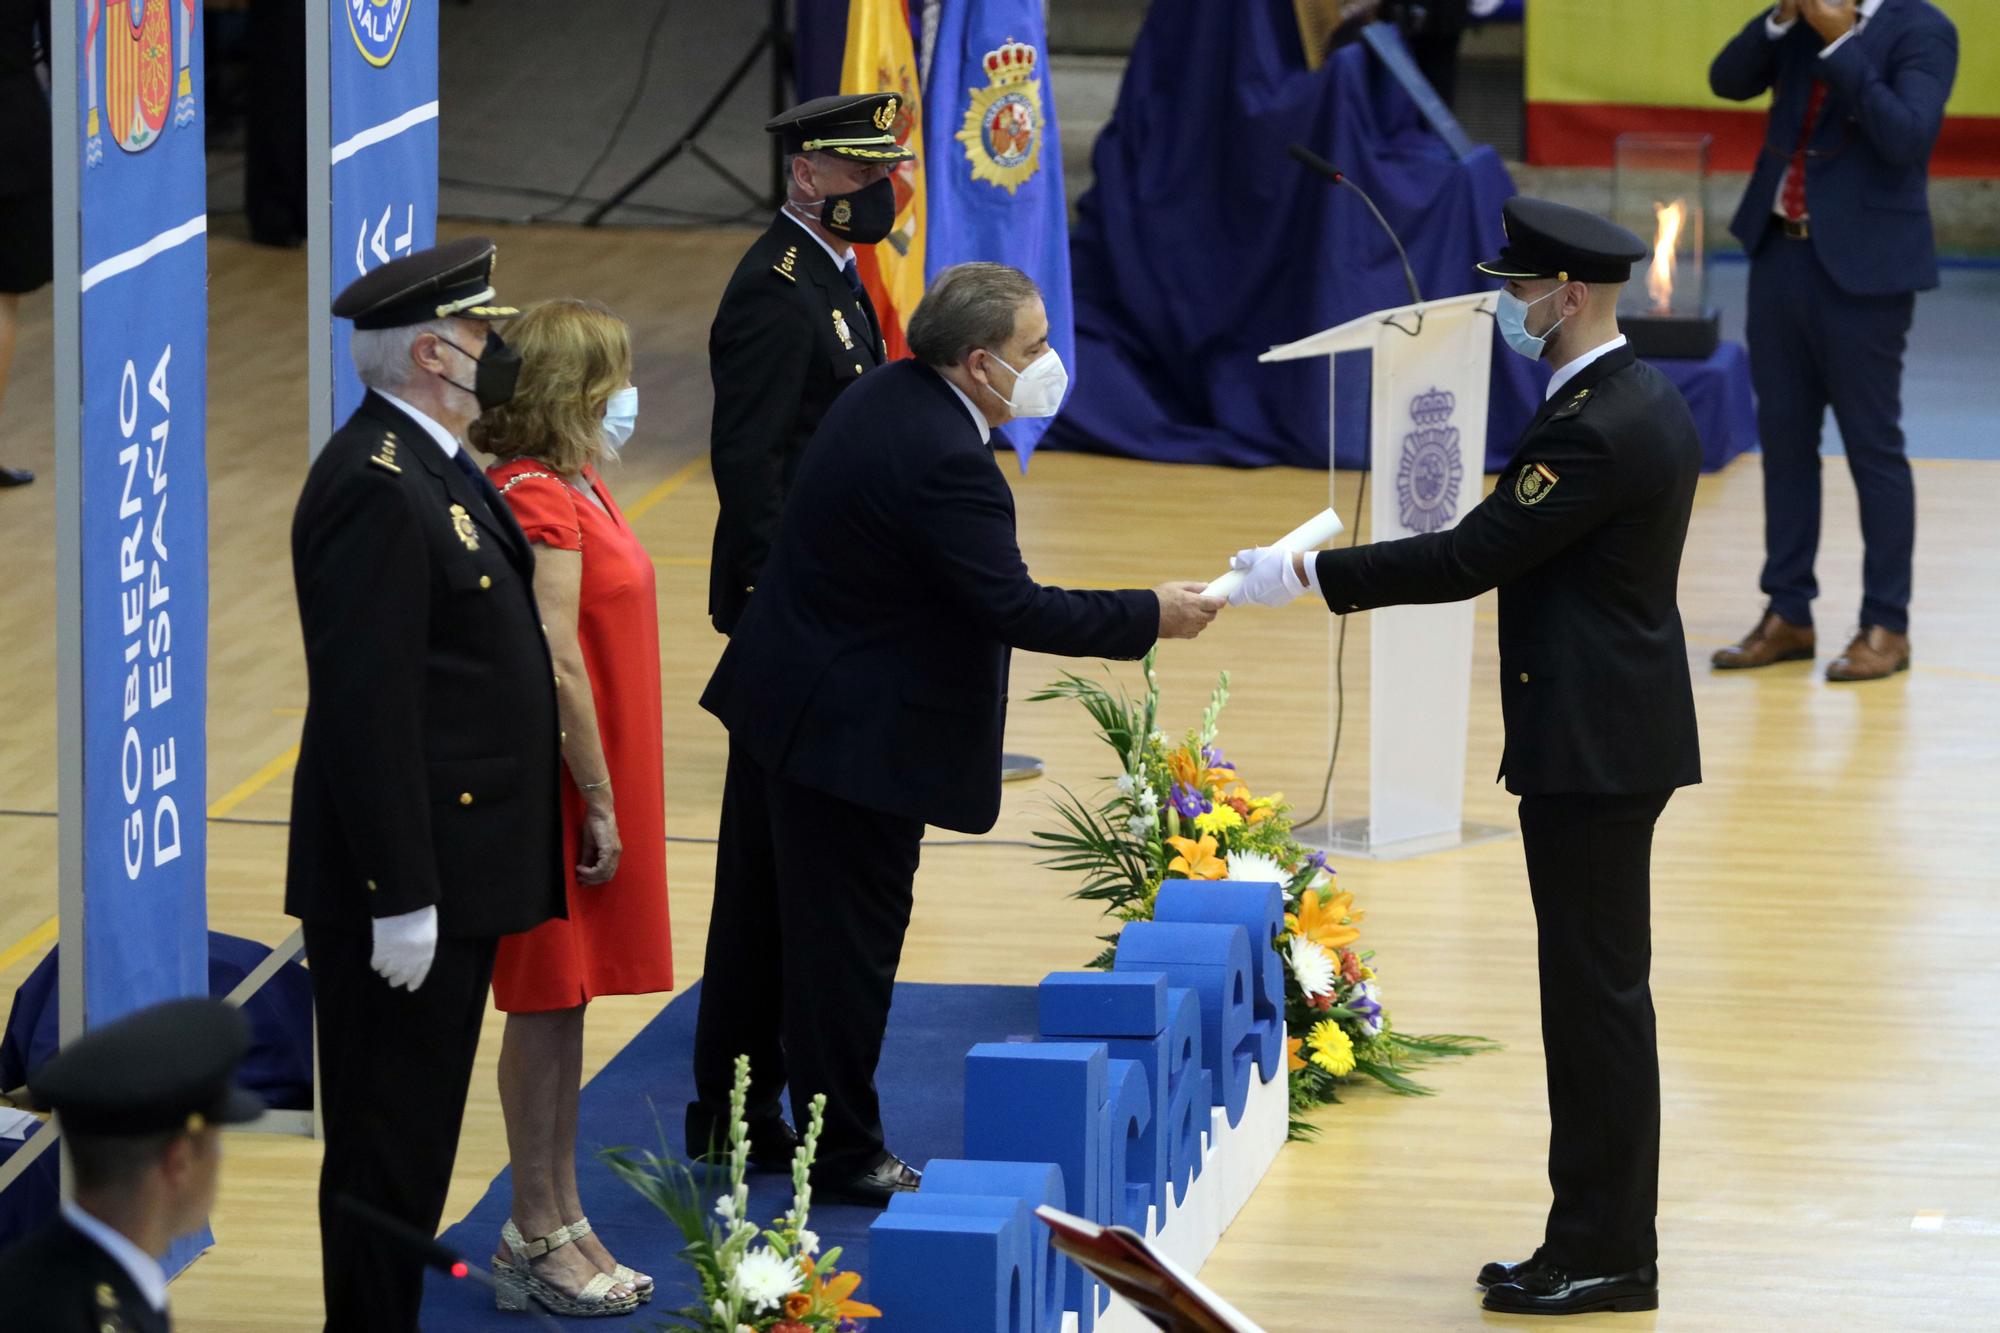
<point x="1218" y="821"/>
<point x="1328" y="920"/>
<point x="1197" y="860"/>
<point x="1367" y="972"/>
<point x="1292" y="1061"/>
<point x="1331" y="1048"/>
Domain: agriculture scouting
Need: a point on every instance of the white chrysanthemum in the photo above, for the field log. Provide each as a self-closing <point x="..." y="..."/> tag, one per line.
<point x="1256" y="868"/>
<point x="1311" y="966"/>
<point x="764" y="1278"/>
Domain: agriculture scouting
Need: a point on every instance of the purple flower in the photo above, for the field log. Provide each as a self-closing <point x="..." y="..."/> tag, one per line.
<point x="1189" y="801"/>
<point x="1211" y="757"/>
<point x="1316" y="862"/>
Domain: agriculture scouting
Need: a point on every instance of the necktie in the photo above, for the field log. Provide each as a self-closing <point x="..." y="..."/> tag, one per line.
<point x="483" y="487"/>
<point x="1792" y="194"/>
<point x="852" y="272"/>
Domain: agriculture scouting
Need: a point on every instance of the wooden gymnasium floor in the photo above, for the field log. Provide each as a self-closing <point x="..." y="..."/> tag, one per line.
<point x="1824" y="905"/>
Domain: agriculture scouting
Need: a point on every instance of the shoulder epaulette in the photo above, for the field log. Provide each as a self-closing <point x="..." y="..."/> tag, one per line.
<point x="783" y="268"/>
<point x="385" y="453"/>
<point x="1572" y="407"/>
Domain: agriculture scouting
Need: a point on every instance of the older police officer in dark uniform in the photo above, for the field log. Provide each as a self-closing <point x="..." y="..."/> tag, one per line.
<point x="1583" y="537"/>
<point x="140" y="1103"/>
<point x="795" y="326"/>
<point x="425" y="822"/>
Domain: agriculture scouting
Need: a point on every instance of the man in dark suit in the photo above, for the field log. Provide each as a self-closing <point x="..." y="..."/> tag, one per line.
<point x="1838" y="228"/>
<point x="795" y="327"/>
<point x="425" y="821"/>
<point x="865" y="692"/>
<point x="1582" y="536"/>
<point x="140" y="1103"/>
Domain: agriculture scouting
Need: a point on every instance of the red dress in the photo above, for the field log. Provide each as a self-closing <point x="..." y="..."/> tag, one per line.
<point x="615" y="941"/>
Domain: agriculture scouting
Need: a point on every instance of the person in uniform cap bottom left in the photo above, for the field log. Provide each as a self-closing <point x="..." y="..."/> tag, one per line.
<point x="139" y="1103"/>
<point x="421" y="831"/>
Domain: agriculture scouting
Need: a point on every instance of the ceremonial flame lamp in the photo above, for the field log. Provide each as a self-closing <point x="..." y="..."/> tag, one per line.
<point x="1659" y="186"/>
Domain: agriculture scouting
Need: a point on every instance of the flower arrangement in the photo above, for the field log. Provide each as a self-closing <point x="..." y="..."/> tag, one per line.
<point x="753" y="1280"/>
<point x="1180" y="810"/>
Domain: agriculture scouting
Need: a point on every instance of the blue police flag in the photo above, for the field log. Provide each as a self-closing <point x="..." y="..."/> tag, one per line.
<point x="993" y="158"/>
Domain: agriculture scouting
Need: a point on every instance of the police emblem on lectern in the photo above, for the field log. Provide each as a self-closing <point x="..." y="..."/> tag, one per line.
<point x="377" y="26"/>
<point x="1003" y="122"/>
<point x="1430" y="472"/>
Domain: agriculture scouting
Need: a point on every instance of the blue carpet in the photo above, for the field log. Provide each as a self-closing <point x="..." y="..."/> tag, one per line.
<point x="922" y="1082"/>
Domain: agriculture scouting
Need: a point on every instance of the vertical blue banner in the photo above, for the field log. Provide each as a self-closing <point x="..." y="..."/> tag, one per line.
<point x="382" y="116"/>
<point x="142" y="496"/>
<point x="993" y="161"/>
<point x="143" y="314"/>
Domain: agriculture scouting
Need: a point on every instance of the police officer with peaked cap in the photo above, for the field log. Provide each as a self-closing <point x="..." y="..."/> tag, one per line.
<point x="425" y="819"/>
<point x="795" y="326"/>
<point x="1583" y="537"/>
<point x="139" y="1102"/>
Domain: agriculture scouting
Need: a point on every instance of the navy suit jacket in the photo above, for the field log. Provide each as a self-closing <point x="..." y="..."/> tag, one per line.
<point x="1868" y="161"/>
<point x="871" y="661"/>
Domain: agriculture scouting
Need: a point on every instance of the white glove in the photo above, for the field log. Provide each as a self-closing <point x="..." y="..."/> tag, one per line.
<point x="405" y="946"/>
<point x="1268" y="577"/>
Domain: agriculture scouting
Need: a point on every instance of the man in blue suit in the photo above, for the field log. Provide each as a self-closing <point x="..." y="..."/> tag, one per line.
<point x="1838" y="229"/>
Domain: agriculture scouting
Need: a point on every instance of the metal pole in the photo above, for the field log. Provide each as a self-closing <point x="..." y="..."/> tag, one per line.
<point x="66" y="191"/>
<point x="319" y="229"/>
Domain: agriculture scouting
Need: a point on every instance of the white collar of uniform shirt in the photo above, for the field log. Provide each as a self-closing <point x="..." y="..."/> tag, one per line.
<point x="1575" y="368"/>
<point x="824" y="244"/>
<point x="143" y="1268"/>
<point x="445" y="439"/>
<point x="978" y="417"/>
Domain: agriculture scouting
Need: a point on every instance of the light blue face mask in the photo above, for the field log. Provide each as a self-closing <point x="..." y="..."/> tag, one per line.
<point x="1512" y="317"/>
<point x="621" y="417"/>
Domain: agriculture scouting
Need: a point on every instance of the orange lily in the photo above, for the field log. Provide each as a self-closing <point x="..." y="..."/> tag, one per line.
<point x="1292" y="1061"/>
<point x="1328" y="920"/>
<point x="1197" y="860"/>
<point x="1252" y="809"/>
<point x="1190" y="772"/>
<point x="834" y="1297"/>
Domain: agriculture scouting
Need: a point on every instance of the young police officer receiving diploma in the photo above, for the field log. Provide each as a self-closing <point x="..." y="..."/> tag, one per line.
<point x="1583" y="538"/>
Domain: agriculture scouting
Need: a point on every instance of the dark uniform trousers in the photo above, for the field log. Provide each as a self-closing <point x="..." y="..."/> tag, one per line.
<point x="391" y="1109"/>
<point x="1589" y="871"/>
<point x="834" y="881"/>
<point x="1814" y="345"/>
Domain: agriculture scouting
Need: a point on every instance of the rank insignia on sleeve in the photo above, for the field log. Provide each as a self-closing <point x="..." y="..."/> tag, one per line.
<point x="1534" y="483"/>
<point x="385" y="455"/>
<point x="461" y="524"/>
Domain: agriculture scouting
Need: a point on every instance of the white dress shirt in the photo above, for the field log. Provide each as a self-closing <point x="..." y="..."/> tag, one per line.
<point x="445" y="439"/>
<point x="978" y="417"/>
<point x="1575" y="368"/>
<point x="142" y="1268"/>
<point x="1774" y="30"/>
<point x="839" y="259"/>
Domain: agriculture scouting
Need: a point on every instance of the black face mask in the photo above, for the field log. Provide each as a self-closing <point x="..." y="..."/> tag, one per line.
<point x="863" y="216"/>
<point x="499" y="370"/>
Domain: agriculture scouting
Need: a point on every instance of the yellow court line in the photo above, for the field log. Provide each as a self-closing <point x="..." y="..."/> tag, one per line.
<point x="35" y="940"/>
<point x="664" y="489"/>
<point x="255" y="783"/>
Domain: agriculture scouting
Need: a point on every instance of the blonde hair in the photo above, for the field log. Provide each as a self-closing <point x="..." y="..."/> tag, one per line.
<point x="574" y="356"/>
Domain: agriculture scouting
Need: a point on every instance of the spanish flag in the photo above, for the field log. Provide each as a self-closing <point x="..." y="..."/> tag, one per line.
<point x="882" y="58"/>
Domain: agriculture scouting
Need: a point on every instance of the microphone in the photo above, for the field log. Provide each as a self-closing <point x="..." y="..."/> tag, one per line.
<point x="430" y="1251"/>
<point x="1315" y="162"/>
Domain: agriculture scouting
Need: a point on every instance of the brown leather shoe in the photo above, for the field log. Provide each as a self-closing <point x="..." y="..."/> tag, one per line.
<point x="1874" y="654"/>
<point x="1775" y="639"/>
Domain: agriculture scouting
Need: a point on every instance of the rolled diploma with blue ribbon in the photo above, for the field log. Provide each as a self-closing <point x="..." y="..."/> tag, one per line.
<point x="1315" y="532"/>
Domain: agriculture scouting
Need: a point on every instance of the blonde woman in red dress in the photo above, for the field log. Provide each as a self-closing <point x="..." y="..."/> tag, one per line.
<point x="574" y="407"/>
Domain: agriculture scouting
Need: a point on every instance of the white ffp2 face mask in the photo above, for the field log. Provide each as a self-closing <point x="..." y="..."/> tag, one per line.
<point x="621" y="417"/>
<point x="1039" y="389"/>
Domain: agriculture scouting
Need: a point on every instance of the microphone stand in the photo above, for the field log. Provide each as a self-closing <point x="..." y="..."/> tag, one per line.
<point x="432" y="1253"/>
<point x="1314" y="162"/>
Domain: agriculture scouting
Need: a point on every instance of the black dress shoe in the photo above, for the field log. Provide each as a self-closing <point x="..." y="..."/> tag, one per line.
<point x="1493" y="1274"/>
<point x="874" y="1188"/>
<point x="1548" y="1288"/>
<point x="772" y="1141"/>
<point x="15" y="476"/>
